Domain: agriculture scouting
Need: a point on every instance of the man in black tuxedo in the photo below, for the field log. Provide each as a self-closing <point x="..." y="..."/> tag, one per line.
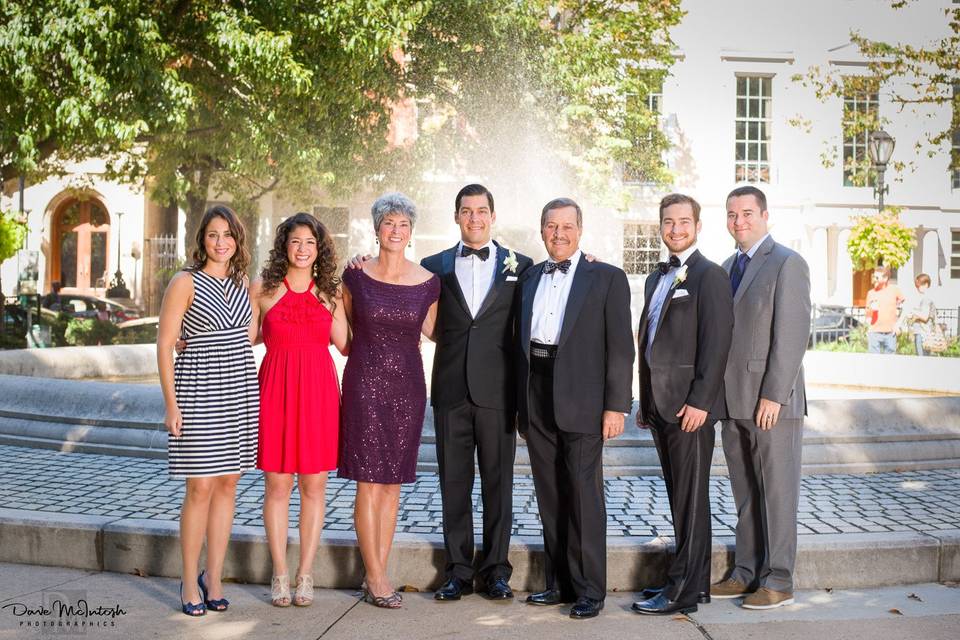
<point x="474" y="394"/>
<point x="684" y="338"/>
<point x="575" y="374"/>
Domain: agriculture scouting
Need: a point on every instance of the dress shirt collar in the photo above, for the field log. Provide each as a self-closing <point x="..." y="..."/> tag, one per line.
<point x="686" y="253"/>
<point x="752" y="250"/>
<point x="574" y="261"/>
<point x="493" y="249"/>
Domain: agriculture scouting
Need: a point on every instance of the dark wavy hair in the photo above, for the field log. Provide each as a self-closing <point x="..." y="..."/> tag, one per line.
<point x="324" y="268"/>
<point x="240" y="259"/>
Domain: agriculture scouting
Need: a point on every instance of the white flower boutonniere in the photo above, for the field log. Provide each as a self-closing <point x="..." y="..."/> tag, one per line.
<point x="680" y="277"/>
<point x="510" y="263"/>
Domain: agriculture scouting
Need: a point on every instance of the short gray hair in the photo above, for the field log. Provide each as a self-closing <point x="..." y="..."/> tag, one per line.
<point x="561" y="203"/>
<point x="394" y="202"/>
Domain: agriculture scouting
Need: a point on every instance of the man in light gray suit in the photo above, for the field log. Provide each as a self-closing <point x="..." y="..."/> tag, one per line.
<point x="766" y="403"/>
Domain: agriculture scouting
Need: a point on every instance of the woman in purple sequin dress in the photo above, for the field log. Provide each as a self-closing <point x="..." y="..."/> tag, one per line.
<point x="389" y="303"/>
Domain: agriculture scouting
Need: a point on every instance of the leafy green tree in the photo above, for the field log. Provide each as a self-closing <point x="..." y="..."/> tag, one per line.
<point x="13" y="232"/>
<point x="211" y="97"/>
<point x="553" y="78"/>
<point x="909" y="75"/>
<point x="880" y="239"/>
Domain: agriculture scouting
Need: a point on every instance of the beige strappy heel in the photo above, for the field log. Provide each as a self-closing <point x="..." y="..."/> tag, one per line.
<point x="303" y="597"/>
<point x="280" y="591"/>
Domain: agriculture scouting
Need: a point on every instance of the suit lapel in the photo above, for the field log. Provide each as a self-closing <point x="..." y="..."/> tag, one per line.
<point x="753" y="268"/>
<point x="450" y="276"/>
<point x="579" y="288"/>
<point x="499" y="277"/>
<point x="650" y="286"/>
<point x="526" y="312"/>
<point x="691" y="261"/>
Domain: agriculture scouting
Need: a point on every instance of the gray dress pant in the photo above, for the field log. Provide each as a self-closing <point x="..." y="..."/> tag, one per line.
<point x="764" y="471"/>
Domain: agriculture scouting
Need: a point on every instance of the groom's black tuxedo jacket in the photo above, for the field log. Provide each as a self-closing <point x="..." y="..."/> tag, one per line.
<point x="593" y="370"/>
<point x="475" y="355"/>
<point x="691" y="345"/>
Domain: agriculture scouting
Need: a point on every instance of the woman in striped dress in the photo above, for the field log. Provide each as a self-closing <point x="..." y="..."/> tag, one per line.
<point x="211" y="398"/>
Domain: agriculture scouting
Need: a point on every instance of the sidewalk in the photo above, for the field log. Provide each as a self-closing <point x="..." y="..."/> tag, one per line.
<point x="120" y="513"/>
<point x="149" y="610"/>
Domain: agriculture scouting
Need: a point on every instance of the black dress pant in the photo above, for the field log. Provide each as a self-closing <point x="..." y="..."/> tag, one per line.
<point x="685" y="459"/>
<point x="461" y="430"/>
<point x="568" y="477"/>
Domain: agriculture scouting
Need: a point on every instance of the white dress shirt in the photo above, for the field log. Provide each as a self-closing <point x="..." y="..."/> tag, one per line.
<point x="475" y="276"/>
<point x="550" y="303"/>
<point x="659" y="296"/>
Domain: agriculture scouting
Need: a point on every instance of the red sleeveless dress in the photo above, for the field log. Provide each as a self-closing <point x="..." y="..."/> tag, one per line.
<point x="299" y="390"/>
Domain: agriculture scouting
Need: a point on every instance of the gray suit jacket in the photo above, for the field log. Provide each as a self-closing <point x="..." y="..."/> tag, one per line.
<point x="770" y="333"/>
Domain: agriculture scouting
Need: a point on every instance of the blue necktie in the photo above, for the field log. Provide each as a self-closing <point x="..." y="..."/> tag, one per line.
<point x="739" y="267"/>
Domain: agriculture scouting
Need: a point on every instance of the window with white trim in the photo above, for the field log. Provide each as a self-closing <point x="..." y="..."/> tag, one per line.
<point x="641" y="247"/>
<point x="859" y="106"/>
<point x="955" y="254"/>
<point x="753" y="122"/>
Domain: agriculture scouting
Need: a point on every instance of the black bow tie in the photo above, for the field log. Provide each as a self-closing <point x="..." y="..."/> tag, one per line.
<point x="466" y="252"/>
<point x="672" y="263"/>
<point x="550" y="267"/>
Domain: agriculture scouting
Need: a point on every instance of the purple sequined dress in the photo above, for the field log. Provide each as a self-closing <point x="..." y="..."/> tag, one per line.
<point x="384" y="394"/>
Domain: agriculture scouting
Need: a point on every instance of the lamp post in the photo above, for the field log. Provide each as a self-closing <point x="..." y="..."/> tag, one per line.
<point x="118" y="288"/>
<point x="880" y="147"/>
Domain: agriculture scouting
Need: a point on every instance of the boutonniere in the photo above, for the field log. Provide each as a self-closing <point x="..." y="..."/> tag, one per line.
<point x="680" y="278"/>
<point x="510" y="263"/>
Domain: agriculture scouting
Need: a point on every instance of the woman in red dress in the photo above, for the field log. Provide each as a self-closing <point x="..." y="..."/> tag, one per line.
<point x="298" y="303"/>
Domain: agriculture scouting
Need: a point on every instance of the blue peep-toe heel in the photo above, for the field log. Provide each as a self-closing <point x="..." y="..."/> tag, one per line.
<point x="190" y="609"/>
<point x="213" y="605"/>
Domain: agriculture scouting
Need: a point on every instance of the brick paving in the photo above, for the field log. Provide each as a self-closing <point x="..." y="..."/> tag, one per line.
<point x="126" y="487"/>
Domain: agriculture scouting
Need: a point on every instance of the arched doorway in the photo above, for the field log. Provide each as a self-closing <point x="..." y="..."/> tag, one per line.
<point x="79" y="242"/>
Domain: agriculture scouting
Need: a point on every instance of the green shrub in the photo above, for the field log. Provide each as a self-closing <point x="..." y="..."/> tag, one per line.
<point x="89" y="331"/>
<point x="144" y="334"/>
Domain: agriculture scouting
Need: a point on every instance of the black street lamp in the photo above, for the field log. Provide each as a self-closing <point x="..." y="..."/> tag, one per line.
<point x="880" y="147"/>
<point x="118" y="288"/>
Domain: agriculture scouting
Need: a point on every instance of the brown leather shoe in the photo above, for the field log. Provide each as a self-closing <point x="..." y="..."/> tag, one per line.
<point x="765" y="598"/>
<point x="729" y="588"/>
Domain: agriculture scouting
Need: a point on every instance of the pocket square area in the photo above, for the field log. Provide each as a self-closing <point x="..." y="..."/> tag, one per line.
<point x="679" y="293"/>
<point x="511" y="278"/>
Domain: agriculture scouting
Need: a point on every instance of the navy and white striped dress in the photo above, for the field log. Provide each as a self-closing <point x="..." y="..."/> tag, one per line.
<point x="215" y="381"/>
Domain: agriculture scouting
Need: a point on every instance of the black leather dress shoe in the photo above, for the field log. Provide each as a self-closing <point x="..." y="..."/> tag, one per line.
<point x="660" y="606"/>
<point x="652" y="592"/>
<point x="586" y="608"/>
<point x="453" y="589"/>
<point x="498" y="589"/>
<point x="546" y="598"/>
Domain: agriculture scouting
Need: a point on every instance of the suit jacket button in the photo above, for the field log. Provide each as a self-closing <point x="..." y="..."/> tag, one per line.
<point x="473" y="326"/>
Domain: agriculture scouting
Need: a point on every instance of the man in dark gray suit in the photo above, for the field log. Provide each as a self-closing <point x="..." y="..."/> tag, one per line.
<point x="766" y="403"/>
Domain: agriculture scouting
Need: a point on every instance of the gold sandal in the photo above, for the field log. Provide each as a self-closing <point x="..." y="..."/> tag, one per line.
<point x="303" y="596"/>
<point x="280" y="591"/>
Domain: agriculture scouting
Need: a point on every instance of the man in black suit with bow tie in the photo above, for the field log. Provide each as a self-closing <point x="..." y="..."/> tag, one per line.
<point x="575" y="374"/>
<point x="684" y="338"/>
<point x="474" y="395"/>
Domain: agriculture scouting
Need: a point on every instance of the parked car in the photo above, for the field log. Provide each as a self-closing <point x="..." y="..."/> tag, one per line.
<point x="80" y="306"/>
<point x="139" y="331"/>
<point x="832" y="323"/>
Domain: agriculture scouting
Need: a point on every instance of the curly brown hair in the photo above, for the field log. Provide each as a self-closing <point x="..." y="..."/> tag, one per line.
<point x="241" y="257"/>
<point x="324" y="267"/>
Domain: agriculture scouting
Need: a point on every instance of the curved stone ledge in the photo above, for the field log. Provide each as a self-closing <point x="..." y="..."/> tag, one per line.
<point x="841" y="436"/>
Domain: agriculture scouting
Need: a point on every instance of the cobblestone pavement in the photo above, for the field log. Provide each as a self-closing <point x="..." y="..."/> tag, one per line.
<point x="75" y="483"/>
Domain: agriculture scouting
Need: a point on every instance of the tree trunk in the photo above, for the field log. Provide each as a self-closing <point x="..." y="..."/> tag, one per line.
<point x="196" y="207"/>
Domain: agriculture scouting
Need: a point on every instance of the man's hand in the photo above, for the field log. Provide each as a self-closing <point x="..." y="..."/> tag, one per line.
<point x="640" y="423"/>
<point x="692" y="418"/>
<point x="356" y="262"/>
<point x="768" y="412"/>
<point x="180" y="346"/>
<point x="612" y="424"/>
